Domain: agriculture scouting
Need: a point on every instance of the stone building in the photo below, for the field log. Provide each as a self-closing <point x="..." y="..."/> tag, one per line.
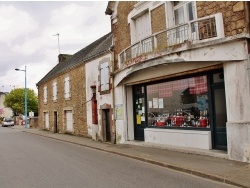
<point x="4" y="111"/>
<point x="64" y="93"/>
<point x="181" y="74"/>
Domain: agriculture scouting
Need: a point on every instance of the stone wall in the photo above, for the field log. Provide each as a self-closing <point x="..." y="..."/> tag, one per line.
<point x="76" y="102"/>
<point x="158" y="19"/>
<point x="233" y="12"/>
<point x="121" y="29"/>
<point x="33" y="122"/>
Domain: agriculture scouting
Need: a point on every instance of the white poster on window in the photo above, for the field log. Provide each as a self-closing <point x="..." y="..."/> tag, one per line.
<point x="155" y="103"/>
<point x="161" y="104"/>
<point x="143" y="109"/>
<point x="150" y="104"/>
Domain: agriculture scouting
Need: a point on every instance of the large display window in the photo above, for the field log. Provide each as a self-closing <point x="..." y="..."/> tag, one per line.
<point x="179" y="103"/>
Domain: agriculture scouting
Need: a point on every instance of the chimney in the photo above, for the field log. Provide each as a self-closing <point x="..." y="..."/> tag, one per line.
<point x="63" y="57"/>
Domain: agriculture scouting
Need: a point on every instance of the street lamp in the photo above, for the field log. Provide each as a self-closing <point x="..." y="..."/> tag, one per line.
<point x="25" y="96"/>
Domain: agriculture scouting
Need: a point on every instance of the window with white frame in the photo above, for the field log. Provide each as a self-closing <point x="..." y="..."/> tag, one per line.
<point x="54" y="90"/>
<point x="67" y="93"/>
<point x="104" y="70"/>
<point x="181" y="12"/>
<point x="45" y="94"/>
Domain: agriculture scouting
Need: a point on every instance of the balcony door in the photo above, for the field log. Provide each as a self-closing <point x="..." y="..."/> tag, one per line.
<point x="184" y="12"/>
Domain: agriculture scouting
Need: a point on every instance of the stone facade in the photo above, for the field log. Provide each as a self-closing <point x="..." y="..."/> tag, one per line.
<point x="122" y="34"/>
<point x="234" y="17"/>
<point x="234" y="14"/>
<point x="158" y="19"/>
<point x="75" y="103"/>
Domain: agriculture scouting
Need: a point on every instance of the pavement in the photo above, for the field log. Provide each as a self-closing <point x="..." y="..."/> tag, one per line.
<point x="210" y="164"/>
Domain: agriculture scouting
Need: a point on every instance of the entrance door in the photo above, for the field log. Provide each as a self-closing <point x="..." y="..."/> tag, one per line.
<point x="106" y="124"/>
<point x="139" y="112"/>
<point x="55" y="122"/>
<point x="219" y="116"/>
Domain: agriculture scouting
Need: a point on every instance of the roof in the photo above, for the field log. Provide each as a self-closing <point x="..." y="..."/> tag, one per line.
<point x="97" y="48"/>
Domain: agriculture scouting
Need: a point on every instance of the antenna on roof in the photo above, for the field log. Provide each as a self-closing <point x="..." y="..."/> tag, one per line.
<point x="58" y="42"/>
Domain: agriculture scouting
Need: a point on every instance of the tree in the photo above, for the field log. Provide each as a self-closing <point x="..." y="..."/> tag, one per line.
<point x="15" y="101"/>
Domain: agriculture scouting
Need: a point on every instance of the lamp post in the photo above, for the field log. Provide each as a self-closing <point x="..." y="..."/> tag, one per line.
<point x="25" y="96"/>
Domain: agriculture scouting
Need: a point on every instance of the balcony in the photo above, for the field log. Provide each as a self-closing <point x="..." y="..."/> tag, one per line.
<point x="195" y="31"/>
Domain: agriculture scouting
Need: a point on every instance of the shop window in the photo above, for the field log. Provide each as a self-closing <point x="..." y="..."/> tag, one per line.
<point x="45" y="94"/>
<point x="179" y="103"/>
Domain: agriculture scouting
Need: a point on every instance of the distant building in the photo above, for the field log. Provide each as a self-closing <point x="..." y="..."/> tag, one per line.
<point x="4" y="111"/>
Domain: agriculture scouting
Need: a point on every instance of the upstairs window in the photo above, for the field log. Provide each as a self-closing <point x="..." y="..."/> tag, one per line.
<point x="67" y="93"/>
<point x="104" y="70"/>
<point x="183" y="12"/>
<point x="45" y="94"/>
<point x="142" y="26"/>
<point x="180" y="13"/>
<point x="54" y="91"/>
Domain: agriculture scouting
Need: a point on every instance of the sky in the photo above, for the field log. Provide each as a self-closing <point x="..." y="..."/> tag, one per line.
<point x="28" y="36"/>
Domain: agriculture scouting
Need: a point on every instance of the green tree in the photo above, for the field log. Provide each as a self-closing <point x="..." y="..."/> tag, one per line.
<point x="15" y="101"/>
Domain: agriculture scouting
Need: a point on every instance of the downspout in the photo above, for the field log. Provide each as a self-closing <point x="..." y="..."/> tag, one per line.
<point x="247" y="12"/>
<point x="111" y="50"/>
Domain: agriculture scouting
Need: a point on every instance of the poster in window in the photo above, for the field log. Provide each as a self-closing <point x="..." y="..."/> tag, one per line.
<point x="143" y="109"/>
<point x="150" y="104"/>
<point x="138" y="119"/>
<point x="161" y="104"/>
<point x="119" y="112"/>
<point x="202" y="102"/>
<point x="155" y="103"/>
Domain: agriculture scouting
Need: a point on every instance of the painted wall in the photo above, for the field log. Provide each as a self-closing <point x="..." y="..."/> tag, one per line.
<point x="92" y="78"/>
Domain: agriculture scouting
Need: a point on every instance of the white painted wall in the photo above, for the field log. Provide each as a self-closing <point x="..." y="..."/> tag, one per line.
<point x="238" y="113"/>
<point x="92" y="73"/>
<point x="182" y="138"/>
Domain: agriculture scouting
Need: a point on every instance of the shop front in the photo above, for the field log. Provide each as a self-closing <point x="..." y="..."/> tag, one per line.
<point x="186" y="111"/>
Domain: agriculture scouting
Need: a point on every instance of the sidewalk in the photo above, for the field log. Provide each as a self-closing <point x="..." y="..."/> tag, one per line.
<point x="219" y="169"/>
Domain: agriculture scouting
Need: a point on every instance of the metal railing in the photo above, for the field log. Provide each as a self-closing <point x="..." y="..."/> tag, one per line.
<point x="199" y="30"/>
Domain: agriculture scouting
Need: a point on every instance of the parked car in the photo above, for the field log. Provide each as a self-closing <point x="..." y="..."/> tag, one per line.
<point x="7" y="121"/>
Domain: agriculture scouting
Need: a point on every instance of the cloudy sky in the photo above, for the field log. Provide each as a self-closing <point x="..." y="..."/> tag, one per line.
<point x="26" y="36"/>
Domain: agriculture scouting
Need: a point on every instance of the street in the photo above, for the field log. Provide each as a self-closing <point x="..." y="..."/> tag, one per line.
<point x="28" y="160"/>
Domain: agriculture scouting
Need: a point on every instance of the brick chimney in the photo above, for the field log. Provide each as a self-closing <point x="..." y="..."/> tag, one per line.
<point x="63" y="57"/>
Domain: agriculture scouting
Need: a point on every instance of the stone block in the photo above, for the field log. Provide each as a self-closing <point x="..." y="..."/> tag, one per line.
<point x="239" y="6"/>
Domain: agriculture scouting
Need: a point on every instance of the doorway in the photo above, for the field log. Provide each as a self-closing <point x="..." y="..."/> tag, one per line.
<point x="219" y="113"/>
<point x="106" y="125"/>
<point x="55" y="122"/>
<point x="139" y="112"/>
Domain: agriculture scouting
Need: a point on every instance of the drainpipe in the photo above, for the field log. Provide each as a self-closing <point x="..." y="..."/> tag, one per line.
<point x="111" y="50"/>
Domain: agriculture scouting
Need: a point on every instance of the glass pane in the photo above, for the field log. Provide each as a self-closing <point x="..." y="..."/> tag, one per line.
<point x="220" y="107"/>
<point x="179" y="16"/>
<point x="179" y="103"/>
<point x="190" y="11"/>
<point x="218" y="78"/>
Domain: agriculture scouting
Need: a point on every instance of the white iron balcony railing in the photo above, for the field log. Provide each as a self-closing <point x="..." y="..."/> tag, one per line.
<point x="200" y="30"/>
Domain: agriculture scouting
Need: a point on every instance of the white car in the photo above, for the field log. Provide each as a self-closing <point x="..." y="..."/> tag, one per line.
<point x="7" y="122"/>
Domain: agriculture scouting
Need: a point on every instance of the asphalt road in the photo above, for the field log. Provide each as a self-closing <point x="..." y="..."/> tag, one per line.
<point x="28" y="160"/>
